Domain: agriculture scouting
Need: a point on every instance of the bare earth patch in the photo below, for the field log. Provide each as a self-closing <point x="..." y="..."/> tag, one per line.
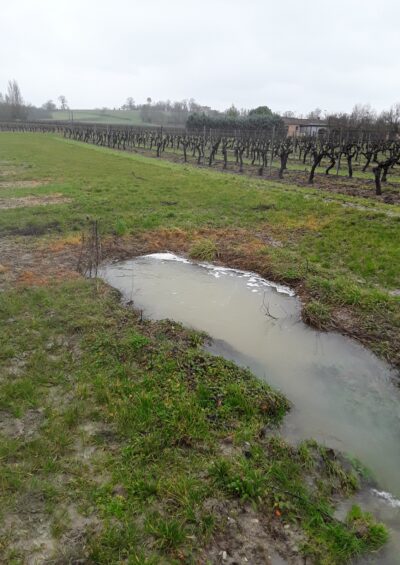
<point x="251" y="537"/>
<point x="26" y="264"/>
<point x="28" y="201"/>
<point x="23" y="183"/>
<point x="30" y="532"/>
<point x="25" y="427"/>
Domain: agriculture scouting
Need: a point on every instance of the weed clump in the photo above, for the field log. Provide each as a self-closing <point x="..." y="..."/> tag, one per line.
<point x="204" y="250"/>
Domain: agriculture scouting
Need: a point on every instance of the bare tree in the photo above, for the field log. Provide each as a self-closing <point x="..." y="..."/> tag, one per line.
<point x="391" y="118"/>
<point x="63" y="102"/>
<point x="15" y="100"/>
<point x="315" y="114"/>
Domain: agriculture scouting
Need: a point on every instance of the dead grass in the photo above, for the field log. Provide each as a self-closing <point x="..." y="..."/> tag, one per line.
<point x="62" y="243"/>
<point x="56" y="274"/>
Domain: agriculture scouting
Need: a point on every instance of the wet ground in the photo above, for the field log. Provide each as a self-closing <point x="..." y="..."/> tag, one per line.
<point x="342" y="394"/>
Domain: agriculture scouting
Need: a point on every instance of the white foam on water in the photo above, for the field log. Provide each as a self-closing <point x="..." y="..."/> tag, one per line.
<point x="167" y="257"/>
<point x="217" y="271"/>
<point x="387" y="497"/>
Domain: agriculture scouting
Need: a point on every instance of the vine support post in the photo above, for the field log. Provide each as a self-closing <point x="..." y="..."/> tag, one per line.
<point x="272" y="150"/>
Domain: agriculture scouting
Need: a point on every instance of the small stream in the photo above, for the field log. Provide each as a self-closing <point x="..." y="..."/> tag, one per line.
<point x="342" y="394"/>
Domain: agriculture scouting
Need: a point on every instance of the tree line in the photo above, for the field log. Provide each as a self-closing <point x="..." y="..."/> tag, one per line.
<point x="195" y="116"/>
<point x="14" y="107"/>
<point x="363" y="118"/>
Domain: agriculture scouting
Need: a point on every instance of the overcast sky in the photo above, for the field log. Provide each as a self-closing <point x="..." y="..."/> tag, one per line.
<point x="290" y="55"/>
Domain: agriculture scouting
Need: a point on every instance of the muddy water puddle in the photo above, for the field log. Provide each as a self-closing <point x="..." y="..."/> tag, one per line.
<point x="342" y="394"/>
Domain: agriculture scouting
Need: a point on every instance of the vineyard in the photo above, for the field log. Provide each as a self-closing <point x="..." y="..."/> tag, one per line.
<point x="365" y="157"/>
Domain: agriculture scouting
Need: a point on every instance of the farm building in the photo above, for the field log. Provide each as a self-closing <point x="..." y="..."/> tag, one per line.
<point x="305" y="126"/>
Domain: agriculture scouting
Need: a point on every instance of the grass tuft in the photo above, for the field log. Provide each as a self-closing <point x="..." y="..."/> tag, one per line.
<point x="204" y="250"/>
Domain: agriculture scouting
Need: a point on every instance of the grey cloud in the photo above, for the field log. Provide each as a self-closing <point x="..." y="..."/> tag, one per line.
<point x="289" y="55"/>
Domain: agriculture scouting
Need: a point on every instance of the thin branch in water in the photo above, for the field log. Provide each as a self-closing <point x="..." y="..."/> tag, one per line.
<point x="265" y="307"/>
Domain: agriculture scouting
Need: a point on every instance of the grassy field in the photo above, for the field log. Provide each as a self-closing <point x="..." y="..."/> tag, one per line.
<point x="121" y="440"/>
<point x="123" y="117"/>
<point x="361" y="185"/>
<point x="343" y="259"/>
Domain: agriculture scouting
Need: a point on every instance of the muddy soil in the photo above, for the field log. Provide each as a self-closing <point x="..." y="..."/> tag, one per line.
<point x="251" y="537"/>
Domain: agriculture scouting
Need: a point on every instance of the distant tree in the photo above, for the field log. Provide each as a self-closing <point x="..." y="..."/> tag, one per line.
<point x="5" y="109"/>
<point x="13" y="95"/>
<point x="288" y="114"/>
<point x="14" y="99"/>
<point x="63" y="102"/>
<point x="50" y="106"/>
<point x="315" y="114"/>
<point x="148" y="100"/>
<point x="391" y="119"/>
<point x="232" y="112"/>
<point x="129" y="104"/>
<point x="363" y="115"/>
<point x="261" y="111"/>
<point x="221" y="121"/>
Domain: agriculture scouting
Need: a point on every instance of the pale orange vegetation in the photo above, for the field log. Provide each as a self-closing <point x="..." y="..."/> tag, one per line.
<point x="174" y="238"/>
<point x="60" y="244"/>
<point x="310" y="222"/>
<point x="32" y="278"/>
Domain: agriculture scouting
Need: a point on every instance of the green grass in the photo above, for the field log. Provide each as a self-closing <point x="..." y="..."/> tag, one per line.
<point x="158" y="408"/>
<point x="121" y="187"/>
<point x="122" y="117"/>
<point x="347" y="258"/>
<point x="123" y="421"/>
